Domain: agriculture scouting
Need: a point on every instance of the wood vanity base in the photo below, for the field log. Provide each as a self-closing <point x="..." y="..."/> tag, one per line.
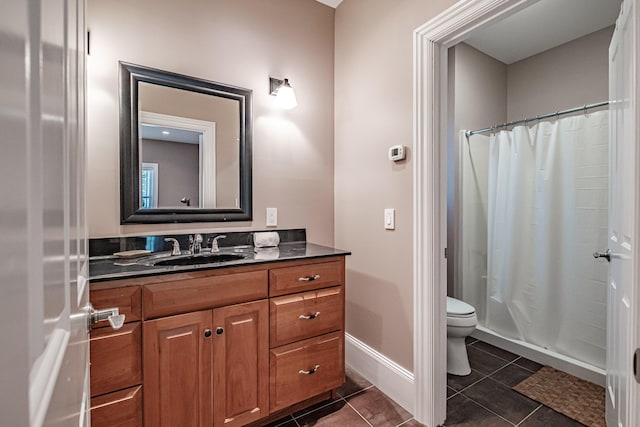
<point x="235" y="346"/>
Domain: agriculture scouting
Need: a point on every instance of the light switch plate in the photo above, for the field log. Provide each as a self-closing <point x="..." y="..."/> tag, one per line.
<point x="272" y="217"/>
<point x="389" y="219"/>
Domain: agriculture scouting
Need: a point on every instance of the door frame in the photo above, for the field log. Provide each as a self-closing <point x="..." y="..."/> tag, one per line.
<point x="431" y="43"/>
<point x="206" y="153"/>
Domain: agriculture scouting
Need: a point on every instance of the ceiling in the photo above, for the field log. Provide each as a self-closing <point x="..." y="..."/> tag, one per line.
<point x="173" y="135"/>
<point x="332" y="3"/>
<point x="542" y="26"/>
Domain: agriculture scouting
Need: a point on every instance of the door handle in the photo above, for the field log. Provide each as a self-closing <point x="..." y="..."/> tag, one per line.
<point x="116" y="320"/>
<point x="606" y="255"/>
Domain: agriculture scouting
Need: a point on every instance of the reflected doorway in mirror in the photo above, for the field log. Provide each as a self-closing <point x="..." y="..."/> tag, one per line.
<point x="187" y="147"/>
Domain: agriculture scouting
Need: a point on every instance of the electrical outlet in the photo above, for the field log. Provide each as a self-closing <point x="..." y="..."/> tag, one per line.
<point x="272" y="217"/>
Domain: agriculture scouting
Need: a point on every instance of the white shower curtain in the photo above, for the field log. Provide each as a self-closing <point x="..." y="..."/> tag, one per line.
<point x="547" y="212"/>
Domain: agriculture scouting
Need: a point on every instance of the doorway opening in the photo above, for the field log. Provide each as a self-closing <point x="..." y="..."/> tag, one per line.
<point x="432" y="126"/>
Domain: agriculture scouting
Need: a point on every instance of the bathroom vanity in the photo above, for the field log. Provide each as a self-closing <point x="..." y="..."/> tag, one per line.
<point x="231" y="344"/>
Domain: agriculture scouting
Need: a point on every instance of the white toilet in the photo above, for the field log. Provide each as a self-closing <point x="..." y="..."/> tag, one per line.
<point x="461" y="322"/>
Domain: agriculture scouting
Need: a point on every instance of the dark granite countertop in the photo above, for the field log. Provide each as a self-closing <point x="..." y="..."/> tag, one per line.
<point x="103" y="268"/>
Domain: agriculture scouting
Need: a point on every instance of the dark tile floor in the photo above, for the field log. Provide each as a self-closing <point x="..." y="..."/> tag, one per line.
<point x="359" y="403"/>
<point x="483" y="398"/>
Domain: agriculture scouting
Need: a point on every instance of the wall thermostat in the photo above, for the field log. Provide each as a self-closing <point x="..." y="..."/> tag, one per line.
<point x="397" y="152"/>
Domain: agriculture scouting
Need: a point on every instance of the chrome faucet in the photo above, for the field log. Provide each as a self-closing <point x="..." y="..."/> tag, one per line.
<point x="195" y="244"/>
<point x="176" y="246"/>
<point x="214" y="243"/>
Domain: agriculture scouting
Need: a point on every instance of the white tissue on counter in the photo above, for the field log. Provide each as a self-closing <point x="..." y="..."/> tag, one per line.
<point x="266" y="239"/>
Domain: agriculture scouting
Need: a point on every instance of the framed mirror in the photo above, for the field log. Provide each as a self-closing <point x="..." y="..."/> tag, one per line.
<point x="185" y="148"/>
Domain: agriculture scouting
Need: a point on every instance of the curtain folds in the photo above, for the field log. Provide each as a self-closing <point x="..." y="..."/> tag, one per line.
<point x="546" y="212"/>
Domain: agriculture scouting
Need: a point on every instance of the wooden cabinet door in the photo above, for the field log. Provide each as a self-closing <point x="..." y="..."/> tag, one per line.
<point x="121" y="408"/>
<point x="241" y="363"/>
<point x="116" y="358"/>
<point x="177" y="370"/>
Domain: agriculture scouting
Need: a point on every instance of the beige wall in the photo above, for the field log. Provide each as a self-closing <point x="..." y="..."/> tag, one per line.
<point x="242" y="43"/>
<point x="221" y="111"/>
<point x="374" y="110"/>
<point x="479" y="86"/>
<point x="573" y="74"/>
<point x="178" y="170"/>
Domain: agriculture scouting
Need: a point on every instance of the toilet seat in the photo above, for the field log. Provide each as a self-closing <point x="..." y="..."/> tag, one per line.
<point x="458" y="308"/>
<point x="460" y="314"/>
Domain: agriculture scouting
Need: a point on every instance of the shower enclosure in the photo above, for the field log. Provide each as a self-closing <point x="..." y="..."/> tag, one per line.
<point x="534" y="205"/>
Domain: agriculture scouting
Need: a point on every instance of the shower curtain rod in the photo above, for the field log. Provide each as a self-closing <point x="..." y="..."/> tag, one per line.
<point x="544" y="116"/>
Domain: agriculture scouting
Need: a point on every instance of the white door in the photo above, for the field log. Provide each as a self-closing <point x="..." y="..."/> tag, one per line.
<point x="622" y="322"/>
<point x="43" y="246"/>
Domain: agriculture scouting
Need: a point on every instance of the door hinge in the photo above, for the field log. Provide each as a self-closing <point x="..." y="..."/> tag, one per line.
<point x="446" y="253"/>
<point x="636" y="365"/>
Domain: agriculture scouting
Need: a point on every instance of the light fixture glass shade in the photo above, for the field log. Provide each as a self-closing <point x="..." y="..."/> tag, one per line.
<point x="286" y="97"/>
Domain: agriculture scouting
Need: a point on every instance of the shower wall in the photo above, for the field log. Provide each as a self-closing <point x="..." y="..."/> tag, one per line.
<point x="572" y="74"/>
<point x="477" y="96"/>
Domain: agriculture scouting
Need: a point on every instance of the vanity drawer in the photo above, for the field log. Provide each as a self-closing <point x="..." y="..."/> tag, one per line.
<point x="183" y="296"/>
<point x="121" y="408"/>
<point x="304" y="369"/>
<point x="127" y="299"/>
<point x="305" y="277"/>
<point x="116" y="358"/>
<point x="304" y="315"/>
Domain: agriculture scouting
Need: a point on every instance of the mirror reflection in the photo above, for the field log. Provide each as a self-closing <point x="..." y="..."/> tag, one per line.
<point x="185" y="148"/>
<point x="189" y="149"/>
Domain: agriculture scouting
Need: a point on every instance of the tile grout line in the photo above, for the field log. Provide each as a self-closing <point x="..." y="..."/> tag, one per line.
<point x="316" y="409"/>
<point x="532" y="412"/>
<point x="472" y="384"/>
<point x="356" y="392"/>
<point x="357" y="412"/>
<point x="482" y="379"/>
<point x="405" y="422"/>
<point x="501" y="358"/>
<point x="485" y="376"/>
<point x="487" y="409"/>
<point x="341" y="397"/>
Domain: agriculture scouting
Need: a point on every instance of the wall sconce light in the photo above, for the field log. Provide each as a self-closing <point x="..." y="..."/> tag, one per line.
<point x="282" y="90"/>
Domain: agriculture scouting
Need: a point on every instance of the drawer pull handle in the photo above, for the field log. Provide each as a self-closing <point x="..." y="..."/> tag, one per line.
<point x="310" y="371"/>
<point x="310" y="316"/>
<point x="309" y="278"/>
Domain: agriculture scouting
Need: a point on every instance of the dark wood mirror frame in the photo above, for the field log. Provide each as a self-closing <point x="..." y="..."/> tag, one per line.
<point x="130" y="211"/>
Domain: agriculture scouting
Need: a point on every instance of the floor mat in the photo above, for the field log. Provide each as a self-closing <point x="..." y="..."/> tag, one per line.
<point x="578" y="399"/>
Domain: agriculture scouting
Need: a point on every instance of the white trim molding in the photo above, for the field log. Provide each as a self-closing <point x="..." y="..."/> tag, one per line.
<point x="207" y="153"/>
<point x="389" y="377"/>
<point x="431" y="42"/>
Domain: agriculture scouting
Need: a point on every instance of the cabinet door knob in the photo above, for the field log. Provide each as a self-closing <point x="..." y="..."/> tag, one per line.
<point x="207" y="333"/>
<point x="310" y="371"/>
<point x="219" y="331"/>
<point x="309" y="278"/>
<point x="309" y="316"/>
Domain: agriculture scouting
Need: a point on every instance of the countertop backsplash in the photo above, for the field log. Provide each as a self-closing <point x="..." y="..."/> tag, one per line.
<point x="107" y="246"/>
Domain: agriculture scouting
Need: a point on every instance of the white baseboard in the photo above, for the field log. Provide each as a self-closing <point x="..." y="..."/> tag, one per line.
<point x="389" y="377"/>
